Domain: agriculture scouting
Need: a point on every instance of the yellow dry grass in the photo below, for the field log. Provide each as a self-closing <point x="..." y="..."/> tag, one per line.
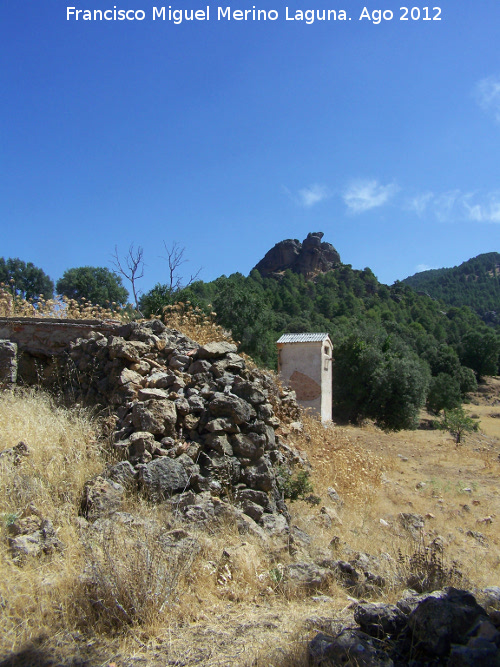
<point x="225" y="605"/>
<point x="60" y="307"/>
<point x="64" y="451"/>
<point x="194" y="323"/>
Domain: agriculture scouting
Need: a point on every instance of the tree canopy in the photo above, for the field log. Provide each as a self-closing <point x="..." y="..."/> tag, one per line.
<point x="96" y="284"/>
<point x="475" y="283"/>
<point x="389" y="342"/>
<point x="25" y="279"/>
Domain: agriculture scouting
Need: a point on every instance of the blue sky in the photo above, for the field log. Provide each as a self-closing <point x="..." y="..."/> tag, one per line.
<point x="229" y="136"/>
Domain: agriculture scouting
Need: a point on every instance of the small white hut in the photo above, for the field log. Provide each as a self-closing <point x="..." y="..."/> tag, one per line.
<point x="305" y="365"/>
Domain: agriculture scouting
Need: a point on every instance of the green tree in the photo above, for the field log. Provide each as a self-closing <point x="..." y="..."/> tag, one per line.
<point x="467" y="380"/>
<point x="379" y="377"/>
<point x="25" y="279"/>
<point x="480" y="350"/>
<point x="444" y="393"/>
<point x="400" y="391"/>
<point x="96" y="284"/>
<point x="457" y="423"/>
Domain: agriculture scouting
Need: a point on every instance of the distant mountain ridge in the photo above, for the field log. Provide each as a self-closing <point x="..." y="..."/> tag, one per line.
<point x="474" y="283"/>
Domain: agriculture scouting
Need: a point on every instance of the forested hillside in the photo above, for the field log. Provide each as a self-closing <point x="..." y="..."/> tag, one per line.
<point x="475" y="283"/>
<point x="394" y="349"/>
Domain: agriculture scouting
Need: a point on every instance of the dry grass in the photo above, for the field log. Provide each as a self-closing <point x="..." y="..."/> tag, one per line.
<point x="338" y="461"/>
<point x="64" y="451"/>
<point x="118" y="595"/>
<point x="379" y="475"/>
<point x="60" y="307"/>
<point x="195" y="323"/>
<point x="120" y="578"/>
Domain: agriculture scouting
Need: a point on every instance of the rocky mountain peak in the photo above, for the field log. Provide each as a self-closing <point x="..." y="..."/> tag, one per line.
<point x="308" y="258"/>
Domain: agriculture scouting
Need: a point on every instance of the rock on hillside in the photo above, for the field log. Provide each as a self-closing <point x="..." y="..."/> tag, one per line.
<point x="308" y="258"/>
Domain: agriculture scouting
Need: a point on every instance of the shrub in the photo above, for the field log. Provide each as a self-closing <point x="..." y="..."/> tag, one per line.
<point x="427" y="568"/>
<point x="457" y="422"/>
<point x="133" y="576"/>
<point x="295" y="486"/>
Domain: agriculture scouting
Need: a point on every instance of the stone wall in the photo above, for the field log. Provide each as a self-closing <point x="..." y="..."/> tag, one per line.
<point x="185" y="418"/>
<point x="49" y="336"/>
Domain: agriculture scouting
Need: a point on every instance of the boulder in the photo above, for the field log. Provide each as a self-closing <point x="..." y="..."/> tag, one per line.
<point x="225" y="405"/>
<point x="249" y="446"/>
<point x="413" y="523"/>
<point x="127" y="350"/>
<point x="444" y="619"/>
<point x="259" y="476"/>
<point x="101" y="497"/>
<point x="155" y="416"/>
<point x="377" y="619"/>
<point x="28" y="542"/>
<point x="307" y="575"/>
<point x="351" y="648"/>
<point x="13" y="456"/>
<point x="123" y="473"/>
<point x="162" y="478"/>
<point x="216" y="350"/>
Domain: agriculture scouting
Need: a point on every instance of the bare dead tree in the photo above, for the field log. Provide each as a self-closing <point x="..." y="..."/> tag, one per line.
<point x="175" y="258"/>
<point x="131" y="268"/>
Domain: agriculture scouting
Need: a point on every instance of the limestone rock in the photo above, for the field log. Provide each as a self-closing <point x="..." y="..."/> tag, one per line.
<point x="13" y="456"/>
<point x="413" y="523"/>
<point x="28" y="542"/>
<point x="307" y="575"/>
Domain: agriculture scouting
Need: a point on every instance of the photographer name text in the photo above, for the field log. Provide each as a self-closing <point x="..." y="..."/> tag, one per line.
<point x="308" y="16"/>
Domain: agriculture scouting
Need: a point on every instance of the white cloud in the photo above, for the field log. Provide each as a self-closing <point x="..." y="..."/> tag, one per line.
<point x="458" y="206"/>
<point x="445" y="205"/>
<point x="488" y="95"/>
<point x="420" y="203"/>
<point x="487" y="210"/>
<point x="362" y="196"/>
<point x="424" y="267"/>
<point x="313" y="194"/>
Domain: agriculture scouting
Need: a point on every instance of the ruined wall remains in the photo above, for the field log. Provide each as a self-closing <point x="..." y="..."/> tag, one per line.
<point x="186" y="418"/>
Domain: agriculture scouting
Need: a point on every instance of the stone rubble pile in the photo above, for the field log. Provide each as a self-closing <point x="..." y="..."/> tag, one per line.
<point x="444" y="628"/>
<point x="188" y="418"/>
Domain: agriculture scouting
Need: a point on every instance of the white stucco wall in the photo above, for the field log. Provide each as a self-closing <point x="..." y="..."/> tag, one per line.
<point x="307" y="368"/>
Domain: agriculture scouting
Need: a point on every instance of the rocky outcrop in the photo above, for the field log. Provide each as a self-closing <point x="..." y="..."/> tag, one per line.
<point x="32" y="535"/>
<point x="308" y="258"/>
<point x="187" y="418"/>
<point x="446" y="627"/>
